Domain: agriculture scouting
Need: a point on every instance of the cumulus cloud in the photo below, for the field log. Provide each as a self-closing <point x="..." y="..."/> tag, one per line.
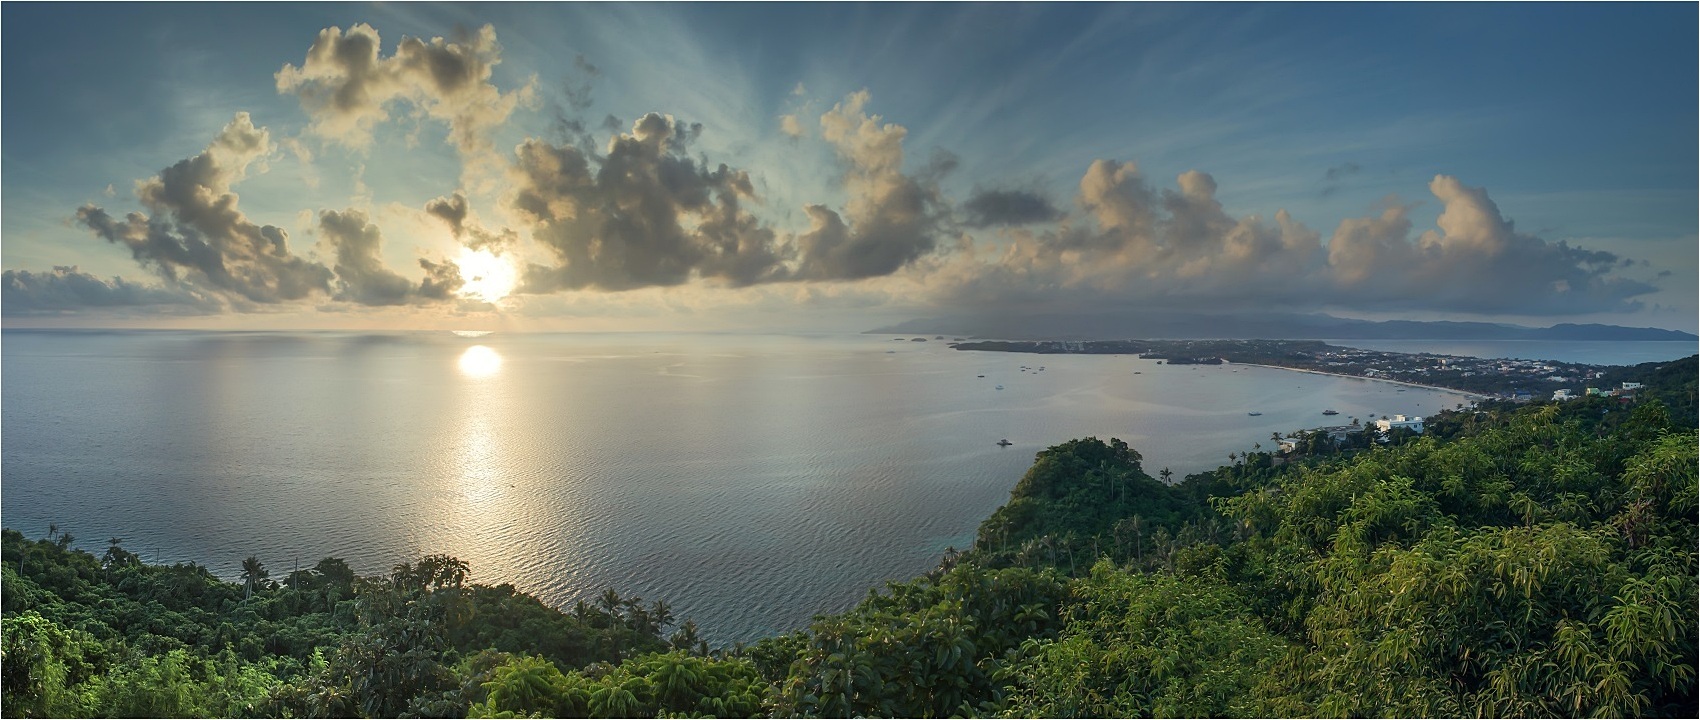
<point x="987" y="208"/>
<point x="1145" y="246"/>
<point x="67" y="289"/>
<point x="890" y="220"/>
<point x="644" y="212"/>
<point x="647" y="214"/>
<point x="455" y="212"/>
<point x="197" y="234"/>
<point x="347" y="86"/>
<point x="1474" y="261"/>
<point x="361" y="276"/>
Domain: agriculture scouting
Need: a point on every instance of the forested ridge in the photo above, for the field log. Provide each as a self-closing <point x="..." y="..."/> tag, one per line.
<point x="1522" y="561"/>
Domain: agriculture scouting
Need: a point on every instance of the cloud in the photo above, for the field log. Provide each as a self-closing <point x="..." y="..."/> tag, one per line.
<point x="791" y="126"/>
<point x="66" y="289"/>
<point x="454" y="211"/>
<point x="1179" y="245"/>
<point x="647" y="214"/>
<point x="198" y="235"/>
<point x="890" y="219"/>
<point x="986" y="208"/>
<point x="348" y="87"/>
<point x="1341" y="171"/>
<point x="361" y="276"/>
<point x="1475" y="261"/>
<point x="1333" y="177"/>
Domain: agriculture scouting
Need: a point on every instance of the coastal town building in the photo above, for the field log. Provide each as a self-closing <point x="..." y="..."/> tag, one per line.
<point x="1414" y="424"/>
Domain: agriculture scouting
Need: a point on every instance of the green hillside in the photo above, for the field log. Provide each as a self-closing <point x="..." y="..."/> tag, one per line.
<point x="1534" y="561"/>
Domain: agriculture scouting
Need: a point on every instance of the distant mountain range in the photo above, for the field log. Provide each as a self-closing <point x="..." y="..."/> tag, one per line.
<point x="1268" y="326"/>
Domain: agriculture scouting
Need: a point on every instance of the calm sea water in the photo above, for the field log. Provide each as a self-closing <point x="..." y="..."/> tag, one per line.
<point x="1590" y="352"/>
<point x="751" y="481"/>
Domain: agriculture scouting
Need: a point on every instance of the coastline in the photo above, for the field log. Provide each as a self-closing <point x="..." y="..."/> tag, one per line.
<point x="1466" y="393"/>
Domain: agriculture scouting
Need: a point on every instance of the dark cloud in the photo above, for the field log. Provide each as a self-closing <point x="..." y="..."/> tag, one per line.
<point x="361" y="276"/>
<point x="1332" y="179"/>
<point x="986" y="208"/>
<point x="66" y="289"/>
<point x="197" y="234"/>
<point x="454" y="212"/>
<point x="451" y="210"/>
<point x="646" y="215"/>
<point x="1341" y="171"/>
<point x="442" y="280"/>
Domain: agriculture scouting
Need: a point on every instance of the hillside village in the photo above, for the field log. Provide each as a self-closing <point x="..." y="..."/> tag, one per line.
<point x="1495" y="378"/>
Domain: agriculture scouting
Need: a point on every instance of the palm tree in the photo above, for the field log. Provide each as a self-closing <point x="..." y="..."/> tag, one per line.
<point x="1166" y="474"/>
<point x="611" y="603"/>
<point x="253" y="571"/>
<point x="116" y="556"/>
<point x="1275" y="437"/>
<point x="1136" y="523"/>
<point x="662" y="615"/>
<point x="686" y="637"/>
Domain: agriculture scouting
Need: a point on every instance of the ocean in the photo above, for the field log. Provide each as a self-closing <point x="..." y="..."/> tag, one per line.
<point x="752" y="481"/>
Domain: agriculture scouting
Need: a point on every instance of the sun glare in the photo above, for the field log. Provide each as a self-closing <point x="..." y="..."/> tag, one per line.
<point x="486" y="277"/>
<point x="479" y="361"/>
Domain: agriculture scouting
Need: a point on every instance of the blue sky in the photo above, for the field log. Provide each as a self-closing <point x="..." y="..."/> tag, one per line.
<point x="1562" y="132"/>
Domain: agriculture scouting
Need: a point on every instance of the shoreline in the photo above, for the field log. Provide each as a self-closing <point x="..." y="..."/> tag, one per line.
<point x="1466" y="393"/>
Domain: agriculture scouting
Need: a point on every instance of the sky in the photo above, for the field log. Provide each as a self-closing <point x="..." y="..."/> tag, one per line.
<point x="839" y="167"/>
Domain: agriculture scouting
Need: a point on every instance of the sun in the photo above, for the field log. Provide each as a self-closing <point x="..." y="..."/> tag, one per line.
<point x="479" y="361"/>
<point x="485" y="276"/>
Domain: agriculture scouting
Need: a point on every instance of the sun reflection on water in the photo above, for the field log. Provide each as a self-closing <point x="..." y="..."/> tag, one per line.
<point x="479" y="362"/>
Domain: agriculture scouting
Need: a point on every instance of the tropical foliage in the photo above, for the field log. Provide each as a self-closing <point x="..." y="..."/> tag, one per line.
<point x="1533" y="561"/>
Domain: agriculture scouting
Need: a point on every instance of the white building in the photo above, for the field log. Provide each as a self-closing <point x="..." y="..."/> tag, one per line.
<point x="1563" y="395"/>
<point x="1631" y="386"/>
<point x="1414" y="424"/>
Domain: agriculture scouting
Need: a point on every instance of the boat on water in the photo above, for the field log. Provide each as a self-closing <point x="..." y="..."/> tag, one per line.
<point x="1000" y="387"/>
<point x="1330" y="412"/>
<point x="979" y="376"/>
<point x="1254" y="414"/>
<point x="1005" y="443"/>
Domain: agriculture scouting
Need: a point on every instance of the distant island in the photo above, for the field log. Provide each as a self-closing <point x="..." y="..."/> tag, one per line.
<point x="1673" y="382"/>
<point x="1285" y="326"/>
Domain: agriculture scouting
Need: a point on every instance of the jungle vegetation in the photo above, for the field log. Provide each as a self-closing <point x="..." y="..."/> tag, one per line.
<point x="1513" y="561"/>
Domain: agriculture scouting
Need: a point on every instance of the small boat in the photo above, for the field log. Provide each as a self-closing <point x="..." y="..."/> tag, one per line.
<point x="1330" y="412"/>
<point x="979" y="376"/>
<point x="1000" y="387"/>
<point x="1005" y="443"/>
<point x="1254" y="414"/>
